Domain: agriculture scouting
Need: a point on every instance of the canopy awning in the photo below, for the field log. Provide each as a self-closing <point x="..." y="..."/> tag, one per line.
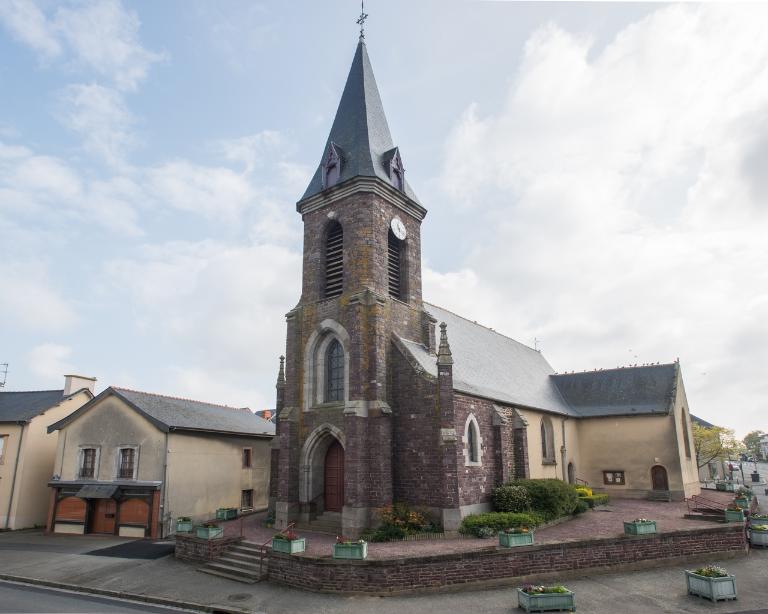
<point x="97" y="491"/>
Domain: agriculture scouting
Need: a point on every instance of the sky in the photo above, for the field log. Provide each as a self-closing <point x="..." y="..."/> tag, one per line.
<point x="596" y="177"/>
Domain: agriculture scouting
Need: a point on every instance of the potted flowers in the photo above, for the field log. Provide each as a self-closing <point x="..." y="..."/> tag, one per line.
<point x="743" y="497"/>
<point x="288" y="543"/>
<point x="345" y="548"/>
<point x="758" y="535"/>
<point x="226" y="513"/>
<point x="640" y="526"/>
<point x="734" y="513"/>
<point x="209" y="530"/>
<point x="711" y="582"/>
<point x="545" y="598"/>
<point x="516" y="536"/>
<point x="183" y="524"/>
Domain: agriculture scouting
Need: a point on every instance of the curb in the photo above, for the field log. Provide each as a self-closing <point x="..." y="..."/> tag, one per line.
<point x="175" y="603"/>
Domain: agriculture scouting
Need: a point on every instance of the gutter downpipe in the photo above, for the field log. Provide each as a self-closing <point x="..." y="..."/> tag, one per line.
<point x="164" y="497"/>
<point x="564" y="451"/>
<point x="15" y="470"/>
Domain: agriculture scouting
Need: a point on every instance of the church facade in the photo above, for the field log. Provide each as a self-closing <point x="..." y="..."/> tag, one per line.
<point x="383" y="397"/>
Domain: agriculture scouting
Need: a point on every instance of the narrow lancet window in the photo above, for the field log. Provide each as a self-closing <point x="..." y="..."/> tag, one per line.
<point x="334" y="261"/>
<point x="472" y="442"/>
<point x="394" y="266"/>
<point x="334" y="381"/>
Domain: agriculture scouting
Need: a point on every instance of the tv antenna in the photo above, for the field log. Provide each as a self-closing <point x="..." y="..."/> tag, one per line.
<point x="3" y="373"/>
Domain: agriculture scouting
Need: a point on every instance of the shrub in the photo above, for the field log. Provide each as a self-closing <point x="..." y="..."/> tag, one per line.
<point x="551" y="498"/>
<point x="581" y="506"/>
<point x="386" y="533"/>
<point x="595" y="500"/>
<point x="485" y="532"/>
<point x="584" y="491"/>
<point x="511" y="498"/>
<point x="498" y="521"/>
<point x="402" y="516"/>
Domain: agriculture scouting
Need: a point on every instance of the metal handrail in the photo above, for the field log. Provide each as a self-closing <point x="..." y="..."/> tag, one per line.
<point x="263" y="547"/>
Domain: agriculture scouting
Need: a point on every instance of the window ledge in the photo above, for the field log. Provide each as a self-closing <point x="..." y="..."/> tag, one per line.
<point x="330" y="405"/>
<point x="473" y="464"/>
<point x="549" y="462"/>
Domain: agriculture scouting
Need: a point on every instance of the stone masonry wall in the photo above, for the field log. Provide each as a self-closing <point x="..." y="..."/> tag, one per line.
<point x="477" y="483"/>
<point x="191" y="548"/>
<point x="497" y="565"/>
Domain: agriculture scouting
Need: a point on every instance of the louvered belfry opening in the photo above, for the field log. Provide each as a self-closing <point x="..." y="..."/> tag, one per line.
<point x="334" y="261"/>
<point x="394" y="266"/>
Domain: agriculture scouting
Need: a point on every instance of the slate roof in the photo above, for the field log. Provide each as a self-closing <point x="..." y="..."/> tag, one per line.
<point x="491" y="365"/>
<point x="701" y="422"/>
<point x="23" y="406"/>
<point x="360" y="130"/>
<point x="626" y="391"/>
<point x="174" y="413"/>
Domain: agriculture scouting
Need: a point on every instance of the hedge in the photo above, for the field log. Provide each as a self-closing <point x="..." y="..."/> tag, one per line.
<point x="595" y="500"/>
<point x="552" y="498"/>
<point x="498" y="521"/>
<point x="511" y="498"/>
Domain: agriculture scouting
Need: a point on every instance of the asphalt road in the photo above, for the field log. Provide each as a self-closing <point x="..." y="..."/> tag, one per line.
<point x="39" y="600"/>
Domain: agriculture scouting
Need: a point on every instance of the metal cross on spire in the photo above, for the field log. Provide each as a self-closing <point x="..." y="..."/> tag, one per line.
<point x="361" y="19"/>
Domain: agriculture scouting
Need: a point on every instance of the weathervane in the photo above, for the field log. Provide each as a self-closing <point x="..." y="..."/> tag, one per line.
<point x="361" y="19"/>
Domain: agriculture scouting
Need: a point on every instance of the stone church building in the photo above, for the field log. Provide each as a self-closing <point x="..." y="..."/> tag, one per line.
<point x="383" y="397"/>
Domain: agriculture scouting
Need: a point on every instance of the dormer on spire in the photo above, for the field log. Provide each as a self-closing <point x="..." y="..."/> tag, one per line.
<point x="331" y="167"/>
<point x="393" y="164"/>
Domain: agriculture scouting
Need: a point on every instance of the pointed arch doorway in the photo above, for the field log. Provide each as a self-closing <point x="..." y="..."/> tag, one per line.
<point x="334" y="478"/>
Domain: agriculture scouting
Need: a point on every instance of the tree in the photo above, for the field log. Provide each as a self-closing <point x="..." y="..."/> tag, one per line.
<point x="752" y="443"/>
<point x="713" y="443"/>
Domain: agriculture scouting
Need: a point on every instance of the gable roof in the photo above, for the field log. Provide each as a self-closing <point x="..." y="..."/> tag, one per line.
<point x="701" y="422"/>
<point x="174" y="413"/>
<point x="23" y="406"/>
<point x="648" y="389"/>
<point x="360" y="131"/>
<point x="490" y="365"/>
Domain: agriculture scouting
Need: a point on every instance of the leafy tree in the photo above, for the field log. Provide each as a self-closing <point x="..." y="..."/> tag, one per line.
<point x="752" y="443"/>
<point x="714" y="442"/>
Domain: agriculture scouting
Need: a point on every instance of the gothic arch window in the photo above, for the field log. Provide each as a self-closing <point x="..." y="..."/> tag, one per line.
<point x="395" y="273"/>
<point x="334" y="260"/>
<point x="547" y="441"/>
<point x="331" y="167"/>
<point x="334" y="372"/>
<point x="473" y="448"/>
<point x="684" y="430"/>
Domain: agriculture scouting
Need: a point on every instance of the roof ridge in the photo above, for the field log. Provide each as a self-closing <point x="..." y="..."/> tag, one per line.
<point x="488" y="328"/>
<point x="627" y="368"/>
<point x="168" y="396"/>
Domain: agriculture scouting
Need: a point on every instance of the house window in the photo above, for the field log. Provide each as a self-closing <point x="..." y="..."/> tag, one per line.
<point x="686" y="438"/>
<point x="334" y="371"/>
<point x="613" y="478"/>
<point x="547" y="441"/>
<point x="3" y="440"/>
<point x="127" y="463"/>
<point x="394" y="266"/>
<point x="247" y="458"/>
<point x="246" y="499"/>
<point x="334" y="260"/>
<point x="473" y="450"/>
<point x="88" y="462"/>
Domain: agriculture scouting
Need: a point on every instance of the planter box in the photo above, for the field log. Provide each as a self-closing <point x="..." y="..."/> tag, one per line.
<point x="734" y="516"/>
<point x="546" y="602"/>
<point x="742" y="502"/>
<point x="209" y="532"/>
<point x="715" y="589"/>
<point x="183" y="526"/>
<point x="510" y="540"/>
<point x="727" y="486"/>
<point x="639" y="528"/>
<point x="720" y="486"/>
<point x="350" y="551"/>
<point x="289" y="546"/>
<point x="226" y="513"/>
<point x="758" y="538"/>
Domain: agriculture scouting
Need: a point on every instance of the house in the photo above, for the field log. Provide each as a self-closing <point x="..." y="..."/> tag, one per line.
<point x="129" y="462"/>
<point x="384" y="397"/>
<point x="27" y="450"/>
<point x="764" y="447"/>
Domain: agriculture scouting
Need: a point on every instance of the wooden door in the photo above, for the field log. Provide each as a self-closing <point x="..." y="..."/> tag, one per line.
<point x="334" y="478"/>
<point x="103" y="516"/>
<point x="659" y="478"/>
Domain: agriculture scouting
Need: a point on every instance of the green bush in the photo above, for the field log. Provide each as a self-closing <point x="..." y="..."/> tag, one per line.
<point x="581" y="506"/>
<point x="551" y="498"/>
<point x="594" y="500"/>
<point x="511" y="498"/>
<point x="386" y="533"/>
<point x="498" y="521"/>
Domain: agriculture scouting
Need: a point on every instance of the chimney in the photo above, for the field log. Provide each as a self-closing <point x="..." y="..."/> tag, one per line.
<point x="267" y="414"/>
<point x="73" y="383"/>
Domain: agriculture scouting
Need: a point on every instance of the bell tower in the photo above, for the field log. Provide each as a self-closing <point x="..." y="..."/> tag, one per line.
<point x="361" y="284"/>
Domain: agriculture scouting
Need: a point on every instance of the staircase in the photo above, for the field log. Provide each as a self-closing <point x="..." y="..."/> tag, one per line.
<point x="701" y="508"/>
<point x="660" y="495"/>
<point x="328" y="522"/>
<point x="241" y="562"/>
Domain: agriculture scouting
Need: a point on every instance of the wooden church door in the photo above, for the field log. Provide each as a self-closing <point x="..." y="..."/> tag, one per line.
<point x="334" y="478"/>
<point x="659" y="478"/>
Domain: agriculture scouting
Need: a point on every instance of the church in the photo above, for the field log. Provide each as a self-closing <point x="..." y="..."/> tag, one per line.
<point x="383" y="397"/>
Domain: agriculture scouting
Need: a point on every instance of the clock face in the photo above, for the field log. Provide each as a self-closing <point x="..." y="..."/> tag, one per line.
<point x="398" y="228"/>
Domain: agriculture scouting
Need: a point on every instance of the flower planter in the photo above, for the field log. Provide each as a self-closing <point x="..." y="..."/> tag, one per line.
<point x="356" y="550"/>
<point x="546" y="602"/>
<point x="758" y="538"/>
<point x="226" y="513"/>
<point x="209" y="532"/>
<point x="742" y="502"/>
<point x="720" y="486"/>
<point x="640" y="528"/>
<point x="183" y="526"/>
<point x="734" y="515"/>
<point x="715" y="589"/>
<point x="287" y="546"/>
<point x="510" y="540"/>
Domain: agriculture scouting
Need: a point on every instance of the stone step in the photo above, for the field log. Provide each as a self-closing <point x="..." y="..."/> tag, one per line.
<point x="233" y="570"/>
<point x="222" y="574"/>
<point x="245" y="557"/>
<point x="251" y="549"/>
<point x="228" y="559"/>
<point x="706" y="517"/>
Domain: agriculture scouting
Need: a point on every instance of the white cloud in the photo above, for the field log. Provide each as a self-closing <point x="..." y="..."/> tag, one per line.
<point x="615" y="192"/>
<point x="29" y="25"/>
<point x="49" y="361"/>
<point x="29" y="300"/>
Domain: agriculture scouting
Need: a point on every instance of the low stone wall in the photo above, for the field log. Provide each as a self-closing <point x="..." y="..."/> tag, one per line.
<point x="192" y="548"/>
<point x="499" y="566"/>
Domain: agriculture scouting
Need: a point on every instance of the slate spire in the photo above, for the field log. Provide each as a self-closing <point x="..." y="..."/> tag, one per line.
<point x="360" y="132"/>
<point x="444" y="356"/>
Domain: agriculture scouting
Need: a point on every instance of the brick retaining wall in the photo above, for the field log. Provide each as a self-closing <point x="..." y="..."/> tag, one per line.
<point x="495" y="565"/>
<point x="192" y="548"/>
